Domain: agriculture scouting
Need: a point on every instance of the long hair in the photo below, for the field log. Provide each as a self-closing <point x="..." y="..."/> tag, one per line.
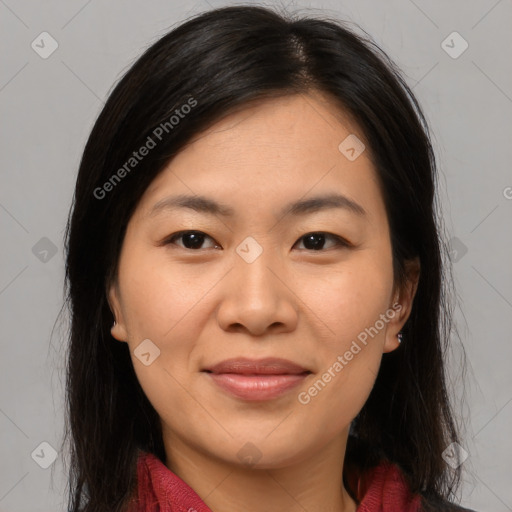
<point x="217" y="63"/>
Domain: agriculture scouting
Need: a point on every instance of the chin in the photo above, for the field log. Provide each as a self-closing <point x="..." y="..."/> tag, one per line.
<point x="261" y="453"/>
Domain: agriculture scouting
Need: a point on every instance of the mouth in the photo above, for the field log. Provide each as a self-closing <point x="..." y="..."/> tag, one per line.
<point x="256" y="380"/>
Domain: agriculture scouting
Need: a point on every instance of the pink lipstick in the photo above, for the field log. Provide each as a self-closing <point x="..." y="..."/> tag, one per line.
<point x="262" y="379"/>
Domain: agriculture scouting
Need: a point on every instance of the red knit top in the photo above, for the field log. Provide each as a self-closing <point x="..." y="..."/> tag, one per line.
<point x="160" y="490"/>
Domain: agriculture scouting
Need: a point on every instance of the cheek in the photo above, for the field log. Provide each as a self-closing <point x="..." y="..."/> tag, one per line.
<point x="349" y="304"/>
<point x="351" y="351"/>
<point x="159" y="297"/>
<point x="336" y="397"/>
<point x="164" y="306"/>
<point x="167" y="304"/>
<point x="349" y="300"/>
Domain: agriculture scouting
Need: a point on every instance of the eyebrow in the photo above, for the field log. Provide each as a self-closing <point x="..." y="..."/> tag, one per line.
<point x="206" y="205"/>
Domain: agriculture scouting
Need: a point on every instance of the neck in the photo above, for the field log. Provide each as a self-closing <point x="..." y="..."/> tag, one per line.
<point x="313" y="483"/>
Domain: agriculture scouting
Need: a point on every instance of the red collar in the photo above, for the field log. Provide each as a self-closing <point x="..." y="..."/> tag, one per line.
<point x="160" y="490"/>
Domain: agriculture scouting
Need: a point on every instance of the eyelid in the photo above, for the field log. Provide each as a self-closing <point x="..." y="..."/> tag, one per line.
<point x="169" y="240"/>
<point x="340" y="241"/>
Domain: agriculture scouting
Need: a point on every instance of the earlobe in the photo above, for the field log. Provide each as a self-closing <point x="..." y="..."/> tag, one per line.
<point x="118" y="330"/>
<point x="403" y="306"/>
<point x="391" y="343"/>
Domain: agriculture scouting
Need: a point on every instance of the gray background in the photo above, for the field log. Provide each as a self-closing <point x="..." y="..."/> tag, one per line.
<point x="47" y="110"/>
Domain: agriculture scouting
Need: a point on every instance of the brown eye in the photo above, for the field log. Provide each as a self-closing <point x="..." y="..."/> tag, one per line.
<point x="194" y="240"/>
<point x="316" y="241"/>
<point x="190" y="239"/>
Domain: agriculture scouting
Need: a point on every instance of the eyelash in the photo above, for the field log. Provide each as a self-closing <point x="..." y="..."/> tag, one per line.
<point x="340" y="242"/>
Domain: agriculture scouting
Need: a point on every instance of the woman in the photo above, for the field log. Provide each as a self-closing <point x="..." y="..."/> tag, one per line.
<point x="254" y="273"/>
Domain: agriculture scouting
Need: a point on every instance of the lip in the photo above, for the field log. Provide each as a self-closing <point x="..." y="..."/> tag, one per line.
<point x="267" y="366"/>
<point x="262" y="379"/>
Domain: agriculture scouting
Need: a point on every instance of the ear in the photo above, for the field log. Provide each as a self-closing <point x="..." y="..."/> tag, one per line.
<point x="118" y="330"/>
<point x="402" y="304"/>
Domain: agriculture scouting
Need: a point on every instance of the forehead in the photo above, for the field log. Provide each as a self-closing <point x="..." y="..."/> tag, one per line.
<point x="273" y="152"/>
<point x="298" y="127"/>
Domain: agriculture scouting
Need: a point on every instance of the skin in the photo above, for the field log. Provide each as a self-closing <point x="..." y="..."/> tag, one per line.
<point x="201" y="306"/>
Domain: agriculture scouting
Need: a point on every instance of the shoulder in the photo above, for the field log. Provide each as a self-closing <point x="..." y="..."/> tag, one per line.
<point x="370" y="475"/>
<point x="385" y="488"/>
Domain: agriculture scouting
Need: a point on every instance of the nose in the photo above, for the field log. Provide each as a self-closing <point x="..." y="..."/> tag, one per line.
<point x="257" y="299"/>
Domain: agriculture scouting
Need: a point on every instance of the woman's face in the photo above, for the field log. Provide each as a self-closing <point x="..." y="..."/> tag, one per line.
<point x="251" y="285"/>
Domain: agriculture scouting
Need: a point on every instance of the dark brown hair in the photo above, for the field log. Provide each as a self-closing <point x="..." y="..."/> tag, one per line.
<point x="223" y="59"/>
